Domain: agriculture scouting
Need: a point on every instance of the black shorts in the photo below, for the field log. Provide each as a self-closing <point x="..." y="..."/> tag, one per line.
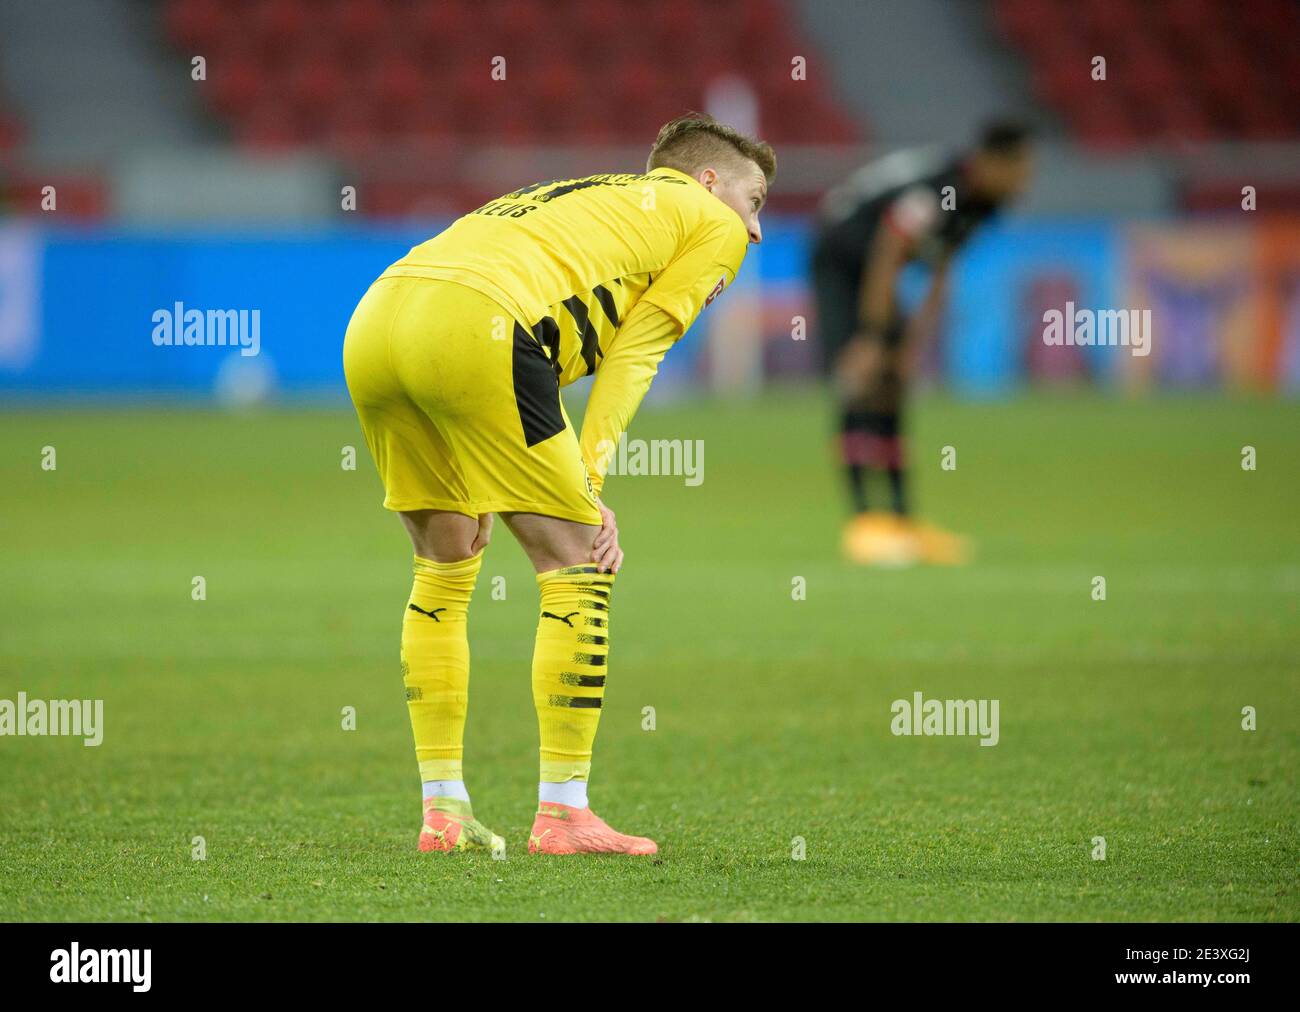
<point x="837" y="282"/>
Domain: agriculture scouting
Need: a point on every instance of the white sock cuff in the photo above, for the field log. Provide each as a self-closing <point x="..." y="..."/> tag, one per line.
<point x="571" y="792"/>
<point x="446" y="789"/>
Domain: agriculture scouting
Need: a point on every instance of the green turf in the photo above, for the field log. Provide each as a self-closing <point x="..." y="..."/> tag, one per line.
<point x="1119" y="718"/>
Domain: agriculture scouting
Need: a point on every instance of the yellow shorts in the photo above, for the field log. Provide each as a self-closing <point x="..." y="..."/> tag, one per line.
<point x="460" y="405"/>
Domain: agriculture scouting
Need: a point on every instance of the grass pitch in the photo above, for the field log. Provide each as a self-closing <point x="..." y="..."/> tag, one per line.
<point x="1119" y="718"/>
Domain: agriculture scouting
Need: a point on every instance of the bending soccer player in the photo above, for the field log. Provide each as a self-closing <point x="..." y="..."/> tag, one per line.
<point x="911" y="206"/>
<point x="455" y="358"/>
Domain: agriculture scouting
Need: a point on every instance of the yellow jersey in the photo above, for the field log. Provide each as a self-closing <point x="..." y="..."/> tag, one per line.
<point x="570" y="258"/>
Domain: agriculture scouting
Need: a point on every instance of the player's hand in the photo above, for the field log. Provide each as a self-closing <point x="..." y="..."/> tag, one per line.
<point x="605" y="552"/>
<point x="484" y="534"/>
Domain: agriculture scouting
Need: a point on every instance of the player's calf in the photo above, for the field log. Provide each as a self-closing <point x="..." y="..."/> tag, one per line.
<point x="570" y="663"/>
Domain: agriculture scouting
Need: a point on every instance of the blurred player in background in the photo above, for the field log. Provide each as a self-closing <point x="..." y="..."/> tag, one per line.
<point x="909" y="206"/>
<point x="454" y="360"/>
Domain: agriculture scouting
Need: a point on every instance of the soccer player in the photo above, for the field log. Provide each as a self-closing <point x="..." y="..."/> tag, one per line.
<point x="455" y="358"/>
<point x="911" y="206"/>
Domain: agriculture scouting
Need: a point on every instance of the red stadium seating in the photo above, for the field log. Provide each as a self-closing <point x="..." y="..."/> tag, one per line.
<point x="23" y="189"/>
<point x="79" y="197"/>
<point x="1177" y="70"/>
<point x="11" y="133"/>
<point x="392" y="85"/>
<point x="576" y="70"/>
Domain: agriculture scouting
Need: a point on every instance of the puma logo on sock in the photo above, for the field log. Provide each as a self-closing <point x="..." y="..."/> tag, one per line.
<point x="558" y="618"/>
<point x="432" y="614"/>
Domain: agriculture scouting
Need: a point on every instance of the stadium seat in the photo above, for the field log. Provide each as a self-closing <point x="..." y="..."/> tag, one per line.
<point x="1241" y="55"/>
<point x="575" y="71"/>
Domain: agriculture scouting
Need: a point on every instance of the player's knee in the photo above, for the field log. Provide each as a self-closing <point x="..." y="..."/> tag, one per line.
<point x="441" y="535"/>
<point x="552" y="543"/>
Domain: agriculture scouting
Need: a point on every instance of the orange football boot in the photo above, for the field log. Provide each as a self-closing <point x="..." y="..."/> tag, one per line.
<point x="563" y="829"/>
<point x="939" y="547"/>
<point x="880" y="539"/>
<point x="449" y="824"/>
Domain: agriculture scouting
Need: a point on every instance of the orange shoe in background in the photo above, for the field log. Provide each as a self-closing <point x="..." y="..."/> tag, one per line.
<point x="880" y="539"/>
<point x="939" y="547"/>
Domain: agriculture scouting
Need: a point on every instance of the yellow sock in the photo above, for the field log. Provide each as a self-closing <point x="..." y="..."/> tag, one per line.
<point x="569" y="667"/>
<point x="435" y="662"/>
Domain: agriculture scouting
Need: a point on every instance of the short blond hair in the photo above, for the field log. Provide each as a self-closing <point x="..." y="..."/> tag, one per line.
<point x="688" y="143"/>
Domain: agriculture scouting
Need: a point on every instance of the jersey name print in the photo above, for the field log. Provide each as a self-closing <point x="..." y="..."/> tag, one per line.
<point x="540" y="193"/>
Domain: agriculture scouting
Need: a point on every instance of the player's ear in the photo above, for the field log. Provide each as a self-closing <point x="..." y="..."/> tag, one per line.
<point x="709" y="179"/>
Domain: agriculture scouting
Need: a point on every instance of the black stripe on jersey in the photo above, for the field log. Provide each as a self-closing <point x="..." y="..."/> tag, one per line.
<point x="530" y="188"/>
<point x="577" y="184"/>
<point x="582" y="317"/>
<point x="606" y="299"/>
<point x="547" y="333"/>
<point x="537" y="389"/>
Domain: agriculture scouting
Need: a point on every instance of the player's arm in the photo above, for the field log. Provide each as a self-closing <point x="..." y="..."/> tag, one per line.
<point x="860" y="359"/>
<point x="928" y="312"/>
<point x="624" y="376"/>
<point x="663" y="314"/>
<point x="884" y="262"/>
<point x="912" y="214"/>
<point x="922" y="325"/>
